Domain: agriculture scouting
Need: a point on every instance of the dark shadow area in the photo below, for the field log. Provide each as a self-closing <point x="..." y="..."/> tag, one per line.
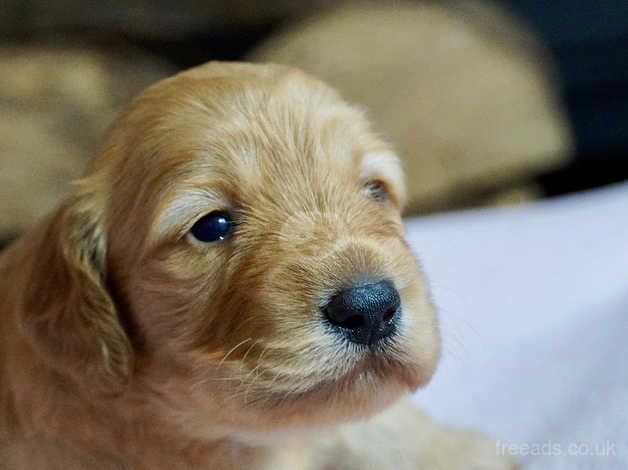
<point x="589" y="43"/>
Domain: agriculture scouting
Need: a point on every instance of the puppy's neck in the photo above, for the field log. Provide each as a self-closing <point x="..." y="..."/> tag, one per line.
<point x="44" y="415"/>
<point x="70" y="427"/>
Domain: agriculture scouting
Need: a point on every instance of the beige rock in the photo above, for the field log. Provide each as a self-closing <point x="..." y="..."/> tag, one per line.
<point x="463" y="93"/>
<point x="55" y="102"/>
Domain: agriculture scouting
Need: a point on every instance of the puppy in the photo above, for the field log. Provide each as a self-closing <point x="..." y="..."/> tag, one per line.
<point x="227" y="288"/>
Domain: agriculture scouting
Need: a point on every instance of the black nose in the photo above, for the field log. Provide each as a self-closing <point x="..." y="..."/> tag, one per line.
<point x="365" y="313"/>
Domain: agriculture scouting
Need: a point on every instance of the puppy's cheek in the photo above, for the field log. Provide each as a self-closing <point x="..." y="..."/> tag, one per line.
<point x="419" y="337"/>
<point x="168" y="296"/>
<point x="418" y="330"/>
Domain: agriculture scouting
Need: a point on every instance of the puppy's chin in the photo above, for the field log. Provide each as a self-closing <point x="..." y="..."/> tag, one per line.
<point x="374" y="383"/>
<point x="257" y="410"/>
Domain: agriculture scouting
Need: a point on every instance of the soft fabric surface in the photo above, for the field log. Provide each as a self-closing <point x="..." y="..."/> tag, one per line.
<point x="534" y="311"/>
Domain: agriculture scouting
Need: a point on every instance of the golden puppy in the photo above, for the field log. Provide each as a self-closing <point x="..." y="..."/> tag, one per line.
<point x="228" y="288"/>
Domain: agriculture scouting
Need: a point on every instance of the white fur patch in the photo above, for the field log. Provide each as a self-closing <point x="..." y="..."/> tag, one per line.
<point x="185" y="207"/>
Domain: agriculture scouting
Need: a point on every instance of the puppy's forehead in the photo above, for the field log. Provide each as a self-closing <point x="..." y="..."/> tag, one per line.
<point x="223" y="130"/>
<point x="249" y="123"/>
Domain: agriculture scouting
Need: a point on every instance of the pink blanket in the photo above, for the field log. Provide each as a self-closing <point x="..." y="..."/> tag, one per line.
<point x="534" y="310"/>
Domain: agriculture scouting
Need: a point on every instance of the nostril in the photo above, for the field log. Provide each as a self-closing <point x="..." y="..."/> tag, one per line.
<point x="389" y="314"/>
<point x="352" y="322"/>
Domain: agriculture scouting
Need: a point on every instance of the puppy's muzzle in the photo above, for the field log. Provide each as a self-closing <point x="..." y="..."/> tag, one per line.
<point x="366" y="313"/>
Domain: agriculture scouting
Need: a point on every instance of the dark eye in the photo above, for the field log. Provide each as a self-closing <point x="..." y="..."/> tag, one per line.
<point x="212" y="227"/>
<point x="376" y="190"/>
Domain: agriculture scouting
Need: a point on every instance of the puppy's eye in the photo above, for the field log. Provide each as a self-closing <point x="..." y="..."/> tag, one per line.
<point x="376" y="190"/>
<point x="212" y="227"/>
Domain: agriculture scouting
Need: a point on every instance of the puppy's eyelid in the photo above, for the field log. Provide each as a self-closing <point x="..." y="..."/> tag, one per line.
<point x="183" y="210"/>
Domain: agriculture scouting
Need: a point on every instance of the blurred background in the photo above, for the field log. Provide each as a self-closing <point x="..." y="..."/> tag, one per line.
<point x="488" y="103"/>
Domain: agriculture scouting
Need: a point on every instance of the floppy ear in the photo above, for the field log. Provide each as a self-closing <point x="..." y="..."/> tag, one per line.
<point x="66" y="312"/>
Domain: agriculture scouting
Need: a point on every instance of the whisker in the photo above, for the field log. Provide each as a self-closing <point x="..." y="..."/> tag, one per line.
<point x="232" y="350"/>
<point x="254" y="343"/>
<point x="257" y="367"/>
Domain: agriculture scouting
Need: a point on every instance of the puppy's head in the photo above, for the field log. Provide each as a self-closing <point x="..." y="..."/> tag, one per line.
<point x="244" y="227"/>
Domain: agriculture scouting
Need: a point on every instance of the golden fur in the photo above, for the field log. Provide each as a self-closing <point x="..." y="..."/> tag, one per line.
<point x="125" y="344"/>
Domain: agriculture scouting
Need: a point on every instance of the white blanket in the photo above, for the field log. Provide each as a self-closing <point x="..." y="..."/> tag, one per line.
<point x="534" y="311"/>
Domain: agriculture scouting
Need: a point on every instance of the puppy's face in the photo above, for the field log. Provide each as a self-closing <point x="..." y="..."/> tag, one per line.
<point x="256" y="251"/>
